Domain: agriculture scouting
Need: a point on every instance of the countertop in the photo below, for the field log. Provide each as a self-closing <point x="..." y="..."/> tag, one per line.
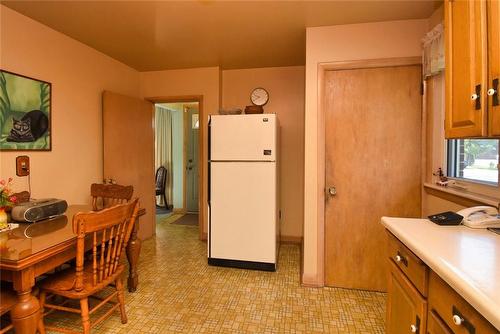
<point x="467" y="259"/>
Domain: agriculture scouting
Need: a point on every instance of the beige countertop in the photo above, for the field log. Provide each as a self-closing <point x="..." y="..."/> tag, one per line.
<point x="467" y="259"/>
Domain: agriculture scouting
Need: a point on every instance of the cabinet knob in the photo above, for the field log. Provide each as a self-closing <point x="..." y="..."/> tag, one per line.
<point x="413" y="328"/>
<point x="491" y="92"/>
<point x="398" y="258"/>
<point x="474" y="97"/>
<point x="457" y="320"/>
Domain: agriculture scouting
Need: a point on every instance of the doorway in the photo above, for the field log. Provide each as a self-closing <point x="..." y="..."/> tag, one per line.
<point x="372" y="162"/>
<point x="177" y="150"/>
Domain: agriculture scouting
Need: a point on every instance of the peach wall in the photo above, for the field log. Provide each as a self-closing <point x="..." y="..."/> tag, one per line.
<point x="331" y="44"/>
<point x="196" y="81"/>
<point x="436" y="17"/>
<point x="286" y="90"/>
<point x="78" y="75"/>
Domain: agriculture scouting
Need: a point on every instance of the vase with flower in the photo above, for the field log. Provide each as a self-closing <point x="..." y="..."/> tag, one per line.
<point x="7" y="200"/>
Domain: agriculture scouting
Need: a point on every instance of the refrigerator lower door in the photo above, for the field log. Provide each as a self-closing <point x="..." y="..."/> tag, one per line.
<point x="243" y="214"/>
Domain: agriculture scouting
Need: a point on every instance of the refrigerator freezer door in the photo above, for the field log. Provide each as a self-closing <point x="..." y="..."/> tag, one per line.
<point x="243" y="211"/>
<point x="243" y="137"/>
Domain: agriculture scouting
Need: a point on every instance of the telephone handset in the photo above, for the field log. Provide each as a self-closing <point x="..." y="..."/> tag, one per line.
<point x="480" y="217"/>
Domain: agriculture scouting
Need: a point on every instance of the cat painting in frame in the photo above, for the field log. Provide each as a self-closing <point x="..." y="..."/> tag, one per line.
<point x="25" y="113"/>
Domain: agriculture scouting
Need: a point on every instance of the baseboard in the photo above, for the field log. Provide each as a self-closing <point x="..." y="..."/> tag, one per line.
<point x="290" y="239"/>
<point x="311" y="281"/>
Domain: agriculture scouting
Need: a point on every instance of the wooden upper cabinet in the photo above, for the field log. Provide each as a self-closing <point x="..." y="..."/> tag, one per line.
<point x="406" y="308"/>
<point x="494" y="67"/>
<point x="466" y="76"/>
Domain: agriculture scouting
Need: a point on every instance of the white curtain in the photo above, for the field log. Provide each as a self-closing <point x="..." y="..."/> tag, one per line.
<point x="163" y="148"/>
<point x="433" y="51"/>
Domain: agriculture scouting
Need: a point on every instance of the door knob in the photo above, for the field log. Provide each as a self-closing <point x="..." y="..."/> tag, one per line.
<point x="332" y="191"/>
<point x="491" y="92"/>
<point x="474" y="97"/>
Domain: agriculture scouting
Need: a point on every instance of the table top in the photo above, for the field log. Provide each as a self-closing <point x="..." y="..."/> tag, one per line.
<point x="467" y="259"/>
<point x="31" y="238"/>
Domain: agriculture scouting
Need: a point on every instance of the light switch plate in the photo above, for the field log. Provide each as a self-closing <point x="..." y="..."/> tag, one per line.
<point x="22" y="165"/>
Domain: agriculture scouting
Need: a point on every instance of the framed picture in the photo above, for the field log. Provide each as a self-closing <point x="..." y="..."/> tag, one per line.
<point x="25" y="113"/>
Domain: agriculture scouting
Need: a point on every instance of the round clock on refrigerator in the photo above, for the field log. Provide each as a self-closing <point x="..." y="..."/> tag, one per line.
<point x="259" y="96"/>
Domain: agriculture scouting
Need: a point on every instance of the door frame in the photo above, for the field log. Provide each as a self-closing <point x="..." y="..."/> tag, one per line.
<point x="319" y="279"/>
<point x="201" y="179"/>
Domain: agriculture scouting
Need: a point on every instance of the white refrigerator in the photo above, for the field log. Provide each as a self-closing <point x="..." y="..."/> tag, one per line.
<point x="243" y="228"/>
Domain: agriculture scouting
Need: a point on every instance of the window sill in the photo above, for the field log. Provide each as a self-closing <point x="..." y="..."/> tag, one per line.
<point x="484" y="199"/>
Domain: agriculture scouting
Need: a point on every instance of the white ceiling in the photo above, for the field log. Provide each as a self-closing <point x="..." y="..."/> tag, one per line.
<point x="158" y="35"/>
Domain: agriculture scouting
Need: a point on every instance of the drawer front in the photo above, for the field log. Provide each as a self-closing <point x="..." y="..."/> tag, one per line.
<point x="414" y="268"/>
<point x="436" y="326"/>
<point x="458" y="315"/>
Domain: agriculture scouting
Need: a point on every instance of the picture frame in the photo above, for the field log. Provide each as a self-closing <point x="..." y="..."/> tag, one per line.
<point x="25" y="113"/>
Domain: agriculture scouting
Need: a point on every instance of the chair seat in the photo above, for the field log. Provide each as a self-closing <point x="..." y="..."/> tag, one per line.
<point x="63" y="282"/>
<point x="8" y="299"/>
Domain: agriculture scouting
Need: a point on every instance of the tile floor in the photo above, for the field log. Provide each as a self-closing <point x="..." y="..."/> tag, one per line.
<point x="179" y="293"/>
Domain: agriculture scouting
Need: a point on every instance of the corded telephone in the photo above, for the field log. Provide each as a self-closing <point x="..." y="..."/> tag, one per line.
<point x="480" y="217"/>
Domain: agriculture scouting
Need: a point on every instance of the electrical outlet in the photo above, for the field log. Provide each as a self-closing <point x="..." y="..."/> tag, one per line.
<point x="22" y="165"/>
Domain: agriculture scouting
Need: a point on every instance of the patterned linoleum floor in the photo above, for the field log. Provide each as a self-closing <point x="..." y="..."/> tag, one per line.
<point x="179" y="293"/>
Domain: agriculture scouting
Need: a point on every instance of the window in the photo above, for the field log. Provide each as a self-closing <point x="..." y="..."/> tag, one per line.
<point x="474" y="159"/>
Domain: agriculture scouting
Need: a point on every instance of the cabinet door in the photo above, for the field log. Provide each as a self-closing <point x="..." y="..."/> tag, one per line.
<point x="406" y="308"/>
<point x="436" y="326"/>
<point x="494" y="66"/>
<point x="466" y="70"/>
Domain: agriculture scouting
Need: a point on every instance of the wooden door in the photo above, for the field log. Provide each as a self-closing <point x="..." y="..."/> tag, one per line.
<point x="405" y="306"/>
<point x="373" y="152"/>
<point x="129" y="151"/>
<point x="465" y="24"/>
<point x="494" y="67"/>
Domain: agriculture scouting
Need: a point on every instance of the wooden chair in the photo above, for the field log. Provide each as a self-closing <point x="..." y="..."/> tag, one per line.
<point x="8" y="299"/>
<point x="107" y="195"/>
<point x="161" y="183"/>
<point x="23" y="196"/>
<point x="108" y="232"/>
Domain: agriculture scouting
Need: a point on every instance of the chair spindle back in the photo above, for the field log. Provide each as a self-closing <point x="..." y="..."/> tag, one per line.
<point x="110" y="231"/>
<point x="107" y="195"/>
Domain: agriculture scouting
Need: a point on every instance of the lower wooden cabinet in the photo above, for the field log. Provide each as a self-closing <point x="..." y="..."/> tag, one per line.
<point x="406" y="308"/>
<point x="432" y="309"/>
<point x="453" y="310"/>
<point x="435" y="325"/>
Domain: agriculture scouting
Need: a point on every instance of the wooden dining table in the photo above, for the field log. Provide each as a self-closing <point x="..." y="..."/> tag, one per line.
<point x="32" y="250"/>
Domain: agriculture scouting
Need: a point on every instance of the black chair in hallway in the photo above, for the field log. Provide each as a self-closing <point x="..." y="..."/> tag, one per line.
<point x="161" y="182"/>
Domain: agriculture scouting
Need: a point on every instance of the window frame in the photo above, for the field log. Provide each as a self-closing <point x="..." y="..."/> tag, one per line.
<point x="453" y="169"/>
